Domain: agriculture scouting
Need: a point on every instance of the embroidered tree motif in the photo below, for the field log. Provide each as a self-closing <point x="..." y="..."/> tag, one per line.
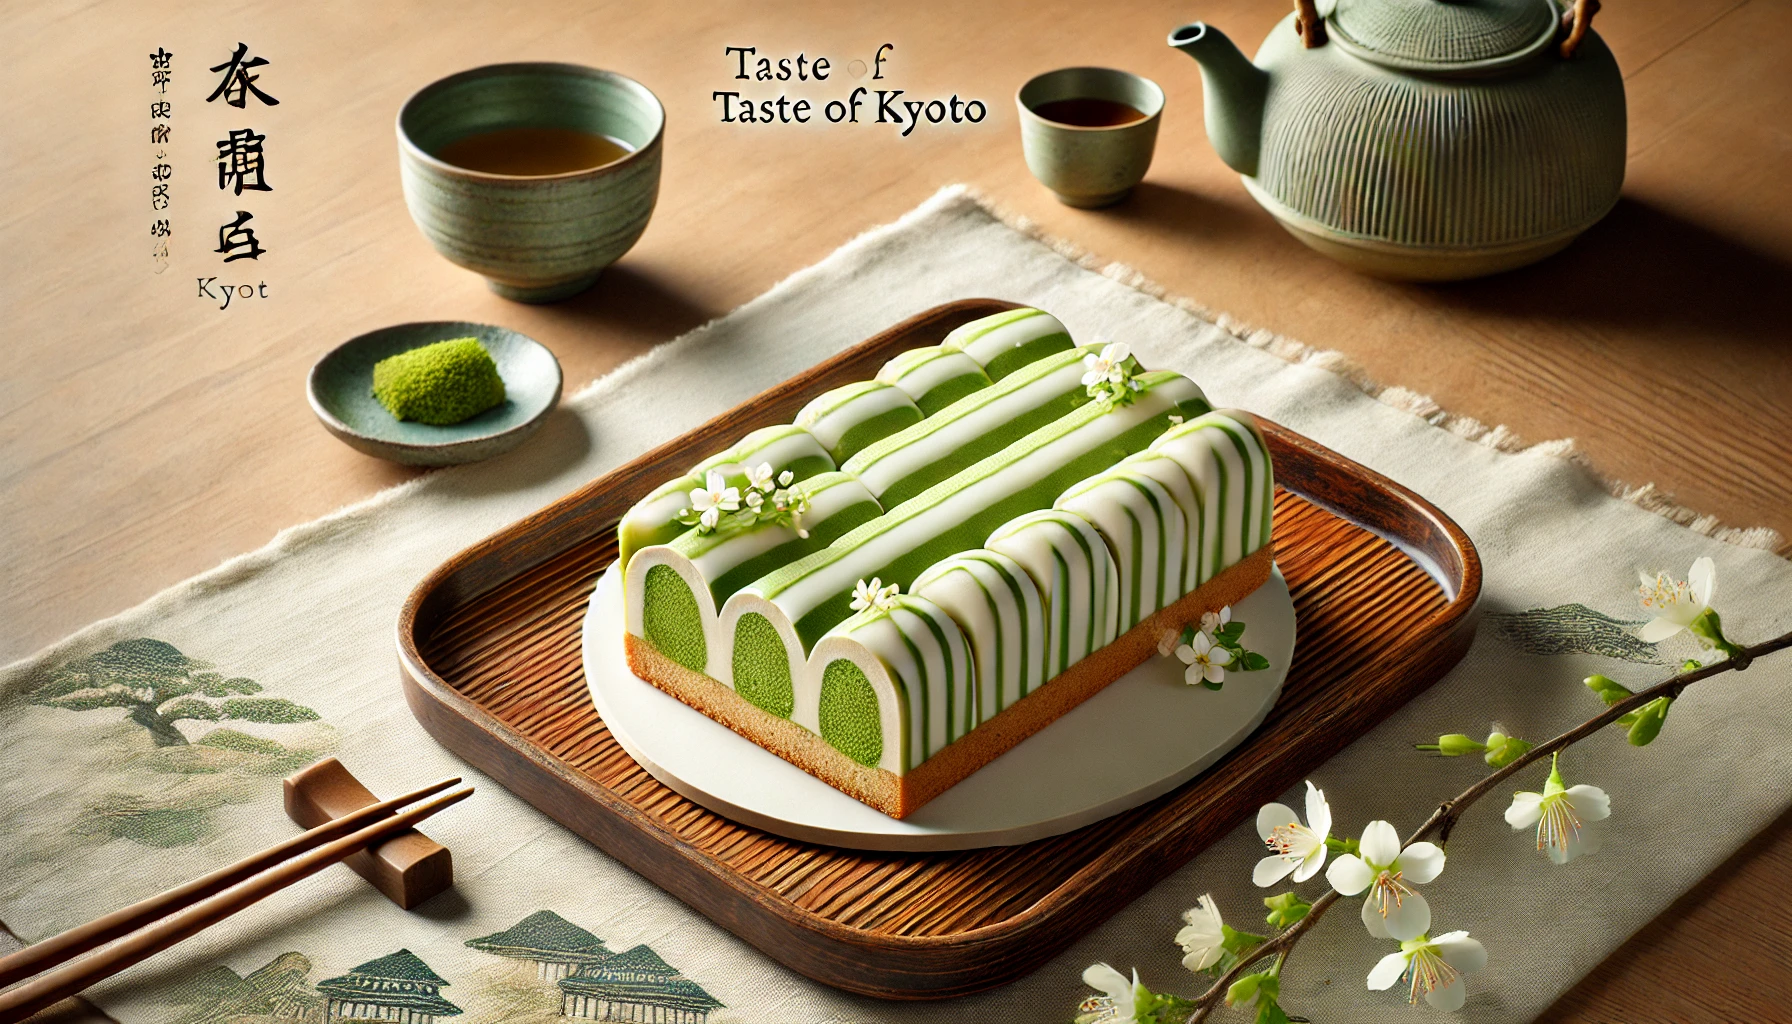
<point x="159" y="686"/>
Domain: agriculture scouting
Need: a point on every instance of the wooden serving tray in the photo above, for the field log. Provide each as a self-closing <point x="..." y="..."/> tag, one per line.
<point x="1384" y="590"/>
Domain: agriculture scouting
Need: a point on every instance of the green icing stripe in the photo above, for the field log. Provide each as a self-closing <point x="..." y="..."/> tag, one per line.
<point x="1145" y="529"/>
<point x="848" y="418"/>
<point x="998" y="607"/>
<point x="957" y="514"/>
<point x="862" y="435"/>
<point x="1230" y="462"/>
<point x="1076" y="578"/>
<point x="973" y="428"/>
<point x="1005" y="342"/>
<point x="934" y="378"/>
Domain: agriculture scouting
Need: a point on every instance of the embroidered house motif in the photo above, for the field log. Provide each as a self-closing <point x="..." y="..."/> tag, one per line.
<point x="635" y="986"/>
<point x="555" y="945"/>
<point x="396" y="987"/>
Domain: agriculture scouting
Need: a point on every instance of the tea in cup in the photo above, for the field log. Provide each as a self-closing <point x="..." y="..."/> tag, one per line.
<point x="1088" y="133"/>
<point x="536" y="176"/>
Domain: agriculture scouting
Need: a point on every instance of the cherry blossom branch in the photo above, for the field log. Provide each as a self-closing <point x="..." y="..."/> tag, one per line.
<point x="1444" y="819"/>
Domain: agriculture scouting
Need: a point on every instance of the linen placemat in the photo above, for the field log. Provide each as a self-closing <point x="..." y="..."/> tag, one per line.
<point x="289" y="651"/>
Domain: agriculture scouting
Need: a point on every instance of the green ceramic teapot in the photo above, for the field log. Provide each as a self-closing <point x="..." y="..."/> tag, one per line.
<point x="1422" y="139"/>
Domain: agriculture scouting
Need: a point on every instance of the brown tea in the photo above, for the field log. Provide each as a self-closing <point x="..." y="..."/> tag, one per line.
<point x="532" y="152"/>
<point x="1089" y="112"/>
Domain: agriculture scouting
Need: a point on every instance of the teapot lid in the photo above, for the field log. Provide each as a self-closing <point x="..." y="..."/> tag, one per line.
<point x="1444" y="35"/>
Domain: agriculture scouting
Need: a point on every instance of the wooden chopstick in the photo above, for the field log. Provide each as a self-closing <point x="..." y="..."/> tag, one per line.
<point x="57" y="949"/>
<point x="19" y="1003"/>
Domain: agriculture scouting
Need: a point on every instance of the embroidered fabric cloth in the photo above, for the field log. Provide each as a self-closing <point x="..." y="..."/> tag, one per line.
<point x="149" y="747"/>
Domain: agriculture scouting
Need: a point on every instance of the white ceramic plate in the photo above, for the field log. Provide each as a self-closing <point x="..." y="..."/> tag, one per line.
<point x="1142" y="736"/>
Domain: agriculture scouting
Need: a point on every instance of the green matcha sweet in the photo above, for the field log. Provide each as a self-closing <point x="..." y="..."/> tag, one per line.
<point x="439" y="384"/>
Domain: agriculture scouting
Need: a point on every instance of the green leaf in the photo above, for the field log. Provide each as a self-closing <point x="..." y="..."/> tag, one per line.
<point x="1229" y="633"/>
<point x="1212" y="685"/>
<point x="1251" y="661"/>
<point x="267" y="709"/>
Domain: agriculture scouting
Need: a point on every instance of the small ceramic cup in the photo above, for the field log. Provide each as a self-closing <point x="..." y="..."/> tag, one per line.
<point x="1089" y="166"/>
<point x="539" y="238"/>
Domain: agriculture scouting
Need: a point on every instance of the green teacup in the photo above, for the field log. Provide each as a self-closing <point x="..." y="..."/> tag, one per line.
<point x="1088" y="133"/>
<point x="535" y="237"/>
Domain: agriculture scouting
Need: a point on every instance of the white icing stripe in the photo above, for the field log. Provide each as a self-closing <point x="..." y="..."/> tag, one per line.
<point x="919" y="374"/>
<point x="862" y="553"/>
<point x="942" y="434"/>
<point x="1229" y="462"/>
<point x="1145" y="529"/>
<point x="985" y="344"/>
<point x="1075" y="576"/>
<point x="998" y="606"/>
<point x="830" y="416"/>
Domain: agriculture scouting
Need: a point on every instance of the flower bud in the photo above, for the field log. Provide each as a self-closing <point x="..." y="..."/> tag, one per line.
<point x="1609" y="690"/>
<point x="1456" y="744"/>
<point x="1502" y="749"/>
<point x="1648" y="721"/>
<point x="1244" y="989"/>
<point x="1286" y="909"/>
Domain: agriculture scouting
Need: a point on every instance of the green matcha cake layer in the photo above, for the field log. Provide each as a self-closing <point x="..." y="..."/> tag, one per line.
<point x="1000" y="610"/>
<point x="970" y="429"/>
<point x="1146" y="532"/>
<point x="1076" y="578"/>
<point x="1004" y="342"/>
<point x="847" y="419"/>
<point x="934" y="378"/>
<point x="916" y="666"/>
<point x="959" y="513"/>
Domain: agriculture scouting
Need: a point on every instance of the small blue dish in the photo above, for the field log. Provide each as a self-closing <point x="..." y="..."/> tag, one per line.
<point x="341" y="391"/>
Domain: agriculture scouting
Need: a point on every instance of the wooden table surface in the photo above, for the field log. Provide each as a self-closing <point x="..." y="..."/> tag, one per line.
<point x="145" y="434"/>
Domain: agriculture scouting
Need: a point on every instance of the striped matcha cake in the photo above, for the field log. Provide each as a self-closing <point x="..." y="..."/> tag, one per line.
<point x="926" y="568"/>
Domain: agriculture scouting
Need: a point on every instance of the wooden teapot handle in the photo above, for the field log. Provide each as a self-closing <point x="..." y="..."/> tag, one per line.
<point x="1575" y="21"/>
<point x="1309" y="24"/>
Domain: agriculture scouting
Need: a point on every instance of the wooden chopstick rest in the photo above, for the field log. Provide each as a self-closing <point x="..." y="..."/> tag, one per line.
<point x="18" y="1003"/>
<point x="408" y="868"/>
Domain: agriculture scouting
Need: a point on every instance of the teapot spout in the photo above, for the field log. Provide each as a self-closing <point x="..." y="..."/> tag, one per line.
<point x="1234" y="90"/>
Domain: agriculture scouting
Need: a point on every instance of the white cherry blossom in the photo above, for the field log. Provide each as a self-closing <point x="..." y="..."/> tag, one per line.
<point x="1676" y="603"/>
<point x="1294" y="848"/>
<point x="1561" y="815"/>
<point x="874" y="595"/>
<point x="1119" y="1000"/>
<point x="759" y="478"/>
<point x="1213" y="622"/>
<point x="1203" y="936"/>
<point x="1205" y="659"/>
<point x="1393" y="909"/>
<point x="1108" y="366"/>
<point x="1432" y="968"/>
